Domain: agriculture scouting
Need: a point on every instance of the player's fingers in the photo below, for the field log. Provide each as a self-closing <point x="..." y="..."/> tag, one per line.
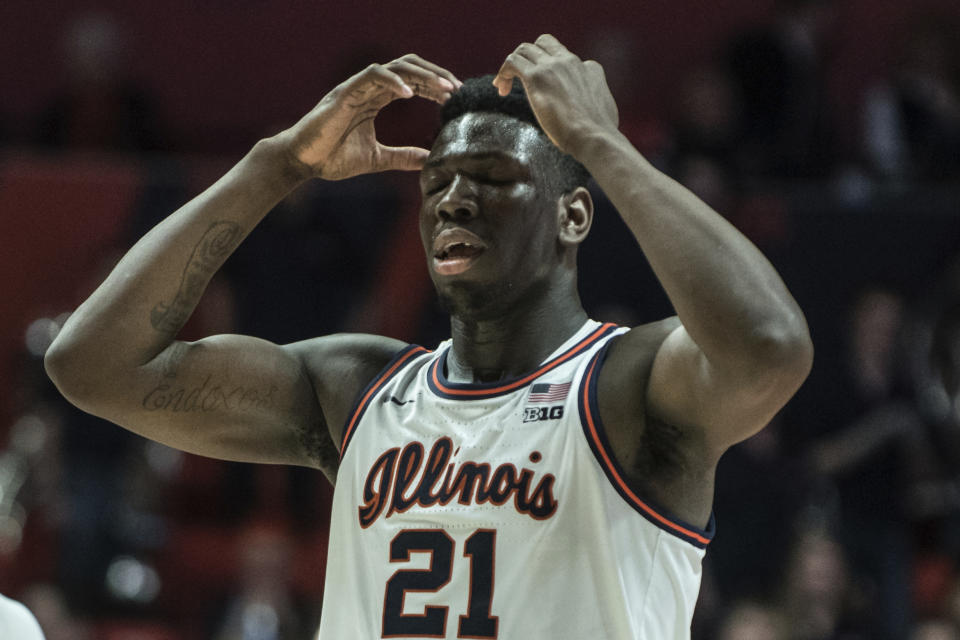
<point x="594" y="67"/>
<point x="425" y="83"/>
<point x="515" y="66"/>
<point x="434" y="68"/>
<point x="410" y="70"/>
<point x="550" y="44"/>
<point x="530" y="51"/>
<point x="401" y="158"/>
<point x="377" y="78"/>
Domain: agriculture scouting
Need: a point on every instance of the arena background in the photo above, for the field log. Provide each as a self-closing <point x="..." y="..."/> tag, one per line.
<point x="839" y="521"/>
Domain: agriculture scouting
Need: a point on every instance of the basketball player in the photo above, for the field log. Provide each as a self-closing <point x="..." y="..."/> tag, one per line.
<point x="539" y="475"/>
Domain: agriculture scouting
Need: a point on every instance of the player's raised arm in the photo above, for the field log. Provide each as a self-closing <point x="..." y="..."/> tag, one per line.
<point x="741" y="348"/>
<point x="232" y="397"/>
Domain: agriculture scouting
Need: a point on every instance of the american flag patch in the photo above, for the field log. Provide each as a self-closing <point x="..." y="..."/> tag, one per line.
<point x="544" y="392"/>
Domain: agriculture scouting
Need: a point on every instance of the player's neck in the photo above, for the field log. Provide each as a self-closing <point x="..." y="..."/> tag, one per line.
<point x="513" y="343"/>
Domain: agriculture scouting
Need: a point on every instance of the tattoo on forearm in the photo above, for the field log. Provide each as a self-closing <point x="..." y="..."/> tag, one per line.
<point x="206" y="397"/>
<point x="215" y="245"/>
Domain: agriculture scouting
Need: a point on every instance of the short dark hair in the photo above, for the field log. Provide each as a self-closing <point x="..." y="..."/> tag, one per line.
<point x="479" y="95"/>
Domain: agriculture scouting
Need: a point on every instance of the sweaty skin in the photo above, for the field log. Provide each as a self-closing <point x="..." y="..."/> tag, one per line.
<point x="500" y="244"/>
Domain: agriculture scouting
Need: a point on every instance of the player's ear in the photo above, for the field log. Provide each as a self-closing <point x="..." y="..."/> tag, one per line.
<point x="575" y="213"/>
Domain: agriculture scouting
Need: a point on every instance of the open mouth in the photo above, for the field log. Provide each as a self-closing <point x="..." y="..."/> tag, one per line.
<point x="455" y="250"/>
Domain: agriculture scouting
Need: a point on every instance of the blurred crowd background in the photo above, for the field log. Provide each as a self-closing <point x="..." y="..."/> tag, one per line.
<point x="828" y="131"/>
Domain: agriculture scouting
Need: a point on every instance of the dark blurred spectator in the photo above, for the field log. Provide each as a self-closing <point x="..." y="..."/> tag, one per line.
<point x="73" y="461"/>
<point x="951" y="605"/>
<point x="709" y="179"/>
<point x="933" y="350"/>
<point x="100" y="107"/>
<point x="33" y="504"/>
<point x="779" y="72"/>
<point x="935" y="629"/>
<point x="872" y="448"/>
<point x="703" y="130"/>
<point x="759" y="491"/>
<point x="619" y="51"/>
<point x="816" y="598"/>
<point x="934" y="358"/>
<point x="707" y="115"/>
<point x="912" y="118"/>
<point x="752" y="621"/>
<point x="54" y="615"/>
<point x="312" y="258"/>
<point x="707" y="155"/>
<point x="94" y="453"/>
<point x="611" y="249"/>
<point x="263" y="604"/>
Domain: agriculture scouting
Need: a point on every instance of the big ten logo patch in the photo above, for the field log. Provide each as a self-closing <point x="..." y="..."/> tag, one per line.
<point x="537" y="414"/>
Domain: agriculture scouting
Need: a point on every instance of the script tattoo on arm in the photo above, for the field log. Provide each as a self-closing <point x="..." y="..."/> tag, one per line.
<point x="209" y="395"/>
<point x="215" y="245"/>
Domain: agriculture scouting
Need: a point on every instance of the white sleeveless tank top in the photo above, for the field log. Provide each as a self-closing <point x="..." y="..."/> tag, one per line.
<point x="498" y="511"/>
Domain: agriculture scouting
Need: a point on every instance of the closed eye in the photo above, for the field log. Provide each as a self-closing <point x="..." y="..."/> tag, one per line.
<point x="495" y="182"/>
<point x="435" y="188"/>
<point x="486" y="179"/>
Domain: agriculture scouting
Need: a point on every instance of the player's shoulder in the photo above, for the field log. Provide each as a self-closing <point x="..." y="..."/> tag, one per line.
<point x="352" y="347"/>
<point x="627" y="365"/>
<point x="639" y="344"/>
<point x="340" y="366"/>
<point x="340" y="357"/>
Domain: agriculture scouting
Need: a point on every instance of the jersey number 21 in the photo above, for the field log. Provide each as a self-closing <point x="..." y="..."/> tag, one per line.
<point x="432" y="623"/>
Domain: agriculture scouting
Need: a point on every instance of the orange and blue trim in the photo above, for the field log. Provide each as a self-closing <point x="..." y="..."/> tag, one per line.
<point x="438" y="383"/>
<point x="597" y="439"/>
<point x="363" y="401"/>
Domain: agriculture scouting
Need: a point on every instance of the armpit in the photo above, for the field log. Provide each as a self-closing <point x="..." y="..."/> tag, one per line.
<point x="320" y="448"/>
<point x="661" y="452"/>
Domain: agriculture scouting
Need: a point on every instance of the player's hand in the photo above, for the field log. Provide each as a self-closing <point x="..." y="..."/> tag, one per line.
<point x="336" y="139"/>
<point x="568" y="95"/>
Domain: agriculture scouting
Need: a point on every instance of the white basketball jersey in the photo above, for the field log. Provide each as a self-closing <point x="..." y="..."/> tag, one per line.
<point x="498" y="511"/>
